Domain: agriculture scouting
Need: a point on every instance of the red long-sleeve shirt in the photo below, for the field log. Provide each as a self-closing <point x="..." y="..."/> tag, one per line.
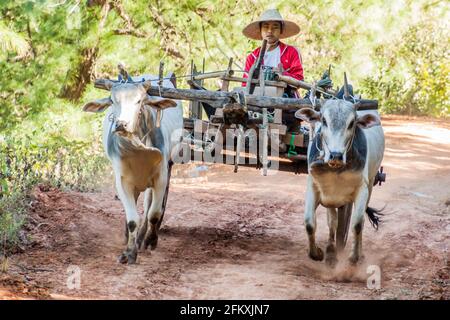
<point x="290" y="57"/>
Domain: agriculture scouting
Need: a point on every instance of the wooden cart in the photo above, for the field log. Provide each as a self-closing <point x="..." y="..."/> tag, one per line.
<point x="252" y="115"/>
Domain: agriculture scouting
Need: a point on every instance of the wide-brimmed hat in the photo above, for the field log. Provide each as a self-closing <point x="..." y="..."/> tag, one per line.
<point x="253" y="30"/>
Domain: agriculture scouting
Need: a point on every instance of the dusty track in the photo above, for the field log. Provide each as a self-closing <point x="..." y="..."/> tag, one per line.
<point x="234" y="236"/>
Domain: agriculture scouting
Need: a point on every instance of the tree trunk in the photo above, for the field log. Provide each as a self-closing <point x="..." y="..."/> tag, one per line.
<point x="79" y="77"/>
<point x="81" y="73"/>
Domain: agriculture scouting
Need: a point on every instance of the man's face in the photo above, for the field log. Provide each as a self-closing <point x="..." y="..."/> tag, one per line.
<point x="271" y="31"/>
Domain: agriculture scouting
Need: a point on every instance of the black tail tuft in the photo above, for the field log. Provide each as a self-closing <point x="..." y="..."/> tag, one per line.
<point x="374" y="216"/>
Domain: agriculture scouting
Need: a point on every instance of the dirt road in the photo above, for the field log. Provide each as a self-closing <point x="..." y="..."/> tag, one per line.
<point x="236" y="236"/>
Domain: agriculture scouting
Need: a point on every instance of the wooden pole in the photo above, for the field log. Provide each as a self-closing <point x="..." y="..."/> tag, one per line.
<point x="256" y="68"/>
<point x="160" y="83"/>
<point x="229" y="72"/>
<point x="256" y="81"/>
<point x="196" y="110"/>
<point x="161" y="73"/>
<point x="304" y="85"/>
<point x="219" y="98"/>
<point x="253" y="102"/>
<point x="211" y="75"/>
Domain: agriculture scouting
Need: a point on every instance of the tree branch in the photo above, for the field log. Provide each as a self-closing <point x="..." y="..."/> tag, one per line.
<point x="130" y="28"/>
<point x="33" y="49"/>
<point x="130" y="32"/>
<point x="169" y="34"/>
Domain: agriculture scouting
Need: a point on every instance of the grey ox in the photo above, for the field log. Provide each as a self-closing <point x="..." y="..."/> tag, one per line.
<point x="343" y="160"/>
<point x="140" y="135"/>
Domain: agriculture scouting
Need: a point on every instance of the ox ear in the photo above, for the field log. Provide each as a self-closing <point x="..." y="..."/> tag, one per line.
<point x="368" y="121"/>
<point x="307" y="114"/>
<point x="160" y="103"/>
<point x="99" y="105"/>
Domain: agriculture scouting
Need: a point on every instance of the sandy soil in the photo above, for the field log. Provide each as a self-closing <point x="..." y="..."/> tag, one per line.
<point x="241" y="236"/>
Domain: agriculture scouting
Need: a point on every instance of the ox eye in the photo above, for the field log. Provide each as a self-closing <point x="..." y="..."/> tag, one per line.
<point x="351" y="124"/>
<point x="139" y="102"/>
<point x="324" y="122"/>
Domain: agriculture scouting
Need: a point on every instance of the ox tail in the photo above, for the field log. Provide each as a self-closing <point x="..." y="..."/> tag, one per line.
<point x="374" y="216"/>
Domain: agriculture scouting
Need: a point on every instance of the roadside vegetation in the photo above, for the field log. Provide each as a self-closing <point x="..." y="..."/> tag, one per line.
<point x="394" y="51"/>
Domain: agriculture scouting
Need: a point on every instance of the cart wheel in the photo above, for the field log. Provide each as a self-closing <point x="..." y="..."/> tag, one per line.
<point x="344" y="217"/>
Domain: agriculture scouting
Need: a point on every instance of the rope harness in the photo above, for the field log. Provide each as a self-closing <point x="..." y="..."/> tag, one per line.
<point x="323" y="142"/>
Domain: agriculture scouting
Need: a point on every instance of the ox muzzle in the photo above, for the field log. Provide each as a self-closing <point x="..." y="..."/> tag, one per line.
<point x="336" y="160"/>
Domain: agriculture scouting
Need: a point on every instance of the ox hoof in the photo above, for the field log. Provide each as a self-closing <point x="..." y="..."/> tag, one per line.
<point x="154" y="244"/>
<point x="140" y="239"/>
<point x="330" y="258"/>
<point x="141" y="235"/>
<point x="316" y="255"/>
<point x="128" y="256"/>
<point x="355" y="259"/>
<point x="151" y="241"/>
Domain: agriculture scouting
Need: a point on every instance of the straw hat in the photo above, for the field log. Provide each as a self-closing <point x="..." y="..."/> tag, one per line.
<point x="253" y="30"/>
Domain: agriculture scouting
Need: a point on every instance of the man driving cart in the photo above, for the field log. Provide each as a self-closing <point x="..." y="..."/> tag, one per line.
<point x="279" y="57"/>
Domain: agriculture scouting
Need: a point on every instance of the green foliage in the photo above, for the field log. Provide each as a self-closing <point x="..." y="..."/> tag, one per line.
<point x="11" y="41"/>
<point x="54" y="148"/>
<point x="28" y="158"/>
<point x="413" y="72"/>
<point x="57" y="161"/>
<point x="364" y="38"/>
<point x="394" y="51"/>
<point x="12" y="218"/>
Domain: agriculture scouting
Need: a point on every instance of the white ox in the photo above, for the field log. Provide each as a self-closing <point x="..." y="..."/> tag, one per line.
<point x="140" y="152"/>
<point x="343" y="160"/>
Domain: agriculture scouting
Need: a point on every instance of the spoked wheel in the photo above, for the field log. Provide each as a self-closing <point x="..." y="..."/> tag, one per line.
<point x="344" y="217"/>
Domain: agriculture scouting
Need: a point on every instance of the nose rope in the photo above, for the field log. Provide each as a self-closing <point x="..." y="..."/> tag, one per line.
<point x="113" y="118"/>
<point x="347" y="147"/>
<point x="159" y="89"/>
<point x="319" y="138"/>
<point x="350" y="143"/>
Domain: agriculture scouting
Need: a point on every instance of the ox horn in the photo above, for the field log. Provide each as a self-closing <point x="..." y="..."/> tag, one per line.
<point x="357" y="105"/>
<point x="321" y="102"/>
<point x="123" y="72"/>
<point x="104" y="84"/>
<point x="346" y="91"/>
<point x="147" y="84"/>
<point x="304" y="105"/>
